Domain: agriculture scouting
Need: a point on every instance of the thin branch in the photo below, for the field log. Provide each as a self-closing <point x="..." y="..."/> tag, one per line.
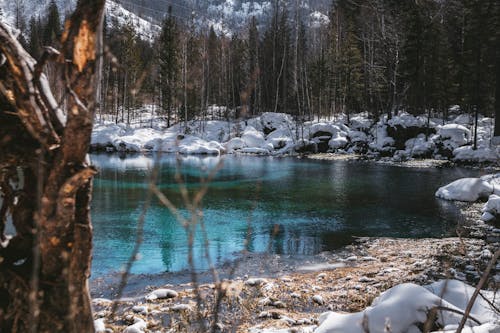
<point x="472" y="300"/>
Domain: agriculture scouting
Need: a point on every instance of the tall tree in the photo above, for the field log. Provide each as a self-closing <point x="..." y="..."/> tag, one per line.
<point x="52" y="30"/>
<point x="169" y="63"/>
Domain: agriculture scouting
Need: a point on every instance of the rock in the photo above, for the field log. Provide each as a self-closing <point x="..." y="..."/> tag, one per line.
<point x="365" y="279"/>
<point x="138" y="327"/>
<point x="318" y="299"/>
<point x="181" y="307"/>
<point x="486" y="254"/>
<point x="304" y="321"/>
<point x="255" y="281"/>
<point x="140" y="309"/>
<point x="265" y="301"/>
<point x="279" y="304"/>
<point x="99" y="325"/>
<point x="295" y="295"/>
<point x="352" y="258"/>
<point x="288" y="320"/>
<point x="161" y="294"/>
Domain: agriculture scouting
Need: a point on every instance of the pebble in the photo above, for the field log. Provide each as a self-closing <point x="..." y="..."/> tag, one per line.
<point x="351" y="258"/>
<point x="295" y="295"/>
<point x="181" y="307"/>
<point x="486" y="254"/>
<point x="318" y="299"/>
<point x="138" y="327"/>
<point x="288" y="320"/>
<point x="161" y="294"/>
<point x="279" y="304"/>
<point x="365" y="279"/>
<point x="265" y="301"/>
<point x="255" y="281"/>
<point x="140" y="309"/>
<point x="99" y="325"/>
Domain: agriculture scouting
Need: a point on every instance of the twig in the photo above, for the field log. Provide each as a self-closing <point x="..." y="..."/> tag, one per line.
<point x="478" y="289"/>
<point x="139" y="235"/>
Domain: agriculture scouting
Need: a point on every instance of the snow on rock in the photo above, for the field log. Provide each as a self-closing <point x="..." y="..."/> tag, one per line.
<point x="192" y="145"/>
<point x="406" y="306"/>
<point x="139" y="326"/>
<point x="280" y="138"/>
<point x="454" y="135"/>
<point x="458" y="293"/>
<point x="338" y="142"/>
<point x="481" y="154"/>
<point x="406" y="120"/>
<point x="273" y="121"/>
<point x="320" y="128"/>
<point x="234" y="144"/>
<point x="104" y="134"/>
<point x="360" y="123"/>
<point x="419" y="146"/>
<point x="161" y="294"/>
<point x="465" y="189"/>
<point x="381" y="141"/>
<point x="253" y="138"/>
<point x="99" y="325"/>
<point x="491" y="209"/>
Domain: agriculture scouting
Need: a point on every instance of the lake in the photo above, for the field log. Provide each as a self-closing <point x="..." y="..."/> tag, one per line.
<point x="280" y="205"/>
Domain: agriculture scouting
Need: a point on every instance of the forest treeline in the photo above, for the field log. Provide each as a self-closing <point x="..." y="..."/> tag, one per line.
<point x="379" y="56"/>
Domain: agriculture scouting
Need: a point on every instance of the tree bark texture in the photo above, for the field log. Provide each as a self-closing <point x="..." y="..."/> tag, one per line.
<point x="46" y="180"/>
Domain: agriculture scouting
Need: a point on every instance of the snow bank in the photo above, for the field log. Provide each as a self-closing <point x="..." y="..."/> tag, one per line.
<point x="406" y="120"/>
<point x="419" y="146"/>
<point x="483" y="154"/>
<point x="192" y="145"/>
<point x="465" y="189"/>
<point x="278" y="134"/>
<point x="253" y="138"/>
<point x="454" y="135"/>
<point x="491" y="209"/>
<point x="405" y="307"/>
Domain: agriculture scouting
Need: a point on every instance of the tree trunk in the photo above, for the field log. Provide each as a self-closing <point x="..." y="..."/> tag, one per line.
<point x="45" y="180"/>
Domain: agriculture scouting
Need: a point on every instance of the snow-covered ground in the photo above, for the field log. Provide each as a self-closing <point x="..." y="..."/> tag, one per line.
<point x="472" y="189"/>
<point x="401" y="138"/>
<point x="406" y="308"/>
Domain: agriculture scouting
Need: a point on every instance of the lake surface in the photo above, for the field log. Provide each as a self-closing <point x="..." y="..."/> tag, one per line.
<point x="281" y="205"/>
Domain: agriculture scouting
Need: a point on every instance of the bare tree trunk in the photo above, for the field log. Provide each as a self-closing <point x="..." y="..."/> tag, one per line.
<point x="45" y="180"/>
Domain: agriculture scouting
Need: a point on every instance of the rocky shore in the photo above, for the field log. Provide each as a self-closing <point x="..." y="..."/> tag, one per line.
<point x="293" y="297"/>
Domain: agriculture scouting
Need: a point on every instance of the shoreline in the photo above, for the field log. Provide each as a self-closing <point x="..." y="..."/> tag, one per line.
<point x="292" y="294"/>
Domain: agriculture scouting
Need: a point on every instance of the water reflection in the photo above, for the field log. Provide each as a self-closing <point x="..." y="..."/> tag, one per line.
<point x="294" y="207"/>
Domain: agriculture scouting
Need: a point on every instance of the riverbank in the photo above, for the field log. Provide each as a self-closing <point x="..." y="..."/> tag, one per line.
<point x="401" y="138"/>
<point x="274" y="291"/>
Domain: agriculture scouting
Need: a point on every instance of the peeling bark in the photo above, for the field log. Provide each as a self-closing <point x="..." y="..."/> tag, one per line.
<point x="45" y="180"/>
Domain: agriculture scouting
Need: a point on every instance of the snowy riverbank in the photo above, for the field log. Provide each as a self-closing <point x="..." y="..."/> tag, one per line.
<point x="401" y="138"/>
<point x="373" y="284"/>
<point x="344" y="282"/>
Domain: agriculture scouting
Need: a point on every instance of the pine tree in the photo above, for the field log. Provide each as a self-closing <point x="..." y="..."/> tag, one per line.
<point x="34" y="43"/>
<point x="52" y="30"/>
<point x="169" y="63"/>
<point x="253" y="73"/>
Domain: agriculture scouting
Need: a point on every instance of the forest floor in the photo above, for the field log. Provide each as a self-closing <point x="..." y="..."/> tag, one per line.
<point x="259" y="291"/>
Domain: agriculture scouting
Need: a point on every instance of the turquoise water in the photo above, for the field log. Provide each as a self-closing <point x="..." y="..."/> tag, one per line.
<point x="282" y="205"/>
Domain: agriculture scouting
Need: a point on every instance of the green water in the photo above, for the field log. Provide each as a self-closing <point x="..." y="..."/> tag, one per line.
<point x="282" y="205"/>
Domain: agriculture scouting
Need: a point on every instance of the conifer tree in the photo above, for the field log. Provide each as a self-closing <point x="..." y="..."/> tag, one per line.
<point x="52" y="30"/>
<point x="169" y="63"/>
